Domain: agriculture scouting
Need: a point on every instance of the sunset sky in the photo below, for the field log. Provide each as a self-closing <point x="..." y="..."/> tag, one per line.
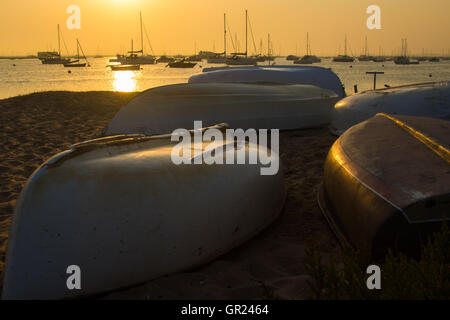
<point x="174" y="26"/>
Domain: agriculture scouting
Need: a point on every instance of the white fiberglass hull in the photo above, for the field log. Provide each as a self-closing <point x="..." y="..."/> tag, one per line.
<point x="164" y="109"/>
<point x="124" y="213"/>
<point x="312" y="75"/>
<point x="425" y="100"/>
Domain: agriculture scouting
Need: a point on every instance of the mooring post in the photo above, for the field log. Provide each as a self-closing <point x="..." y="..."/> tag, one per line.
<point x="374" y="77"/>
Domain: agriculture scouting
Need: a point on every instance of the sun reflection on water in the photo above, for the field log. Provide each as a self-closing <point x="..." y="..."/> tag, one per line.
<point x="124" y="81"/>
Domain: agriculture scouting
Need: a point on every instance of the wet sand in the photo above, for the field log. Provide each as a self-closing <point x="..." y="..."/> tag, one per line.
<point x="35" y="127"/>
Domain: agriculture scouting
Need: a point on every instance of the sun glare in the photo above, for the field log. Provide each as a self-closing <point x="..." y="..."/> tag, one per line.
<point x="124" y="81"/>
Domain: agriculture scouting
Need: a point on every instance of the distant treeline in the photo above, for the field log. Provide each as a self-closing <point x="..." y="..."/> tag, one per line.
<point x="18" y="57"/>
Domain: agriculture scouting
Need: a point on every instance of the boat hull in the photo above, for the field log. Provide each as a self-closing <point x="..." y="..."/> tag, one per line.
<point x="55" y="61"/>
<point x="241" y="61"/>
<point x="164" y="109"/>
<point x="308" y="60"/>
<point x="124" y="213"/>
<point x="165" y="60"/>
<point x="184" y="65"/>
<point x="312" y="75"/>
<point x="384" y="188"/>
<point x="292" y="58"/>
<point x="427" y="100"/>
<point x="75" y="65"/>
<point x="343" y="59"/>
<point x="137" y="60"/>
<point x="125" y="67"/>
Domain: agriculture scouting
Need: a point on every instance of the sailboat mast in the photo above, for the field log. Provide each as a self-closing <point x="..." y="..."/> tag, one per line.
<point x="366" y="51"/>
<point x="307" y="44"/>
<point x="84" y="55"/>
<point x="246" y="24"/>
<point x="59" y="43"/>
<point x="78" y="50"/>
<point x="142" y="36"/>
<point x="225" y="34"/>
<point x="345" y="45"/>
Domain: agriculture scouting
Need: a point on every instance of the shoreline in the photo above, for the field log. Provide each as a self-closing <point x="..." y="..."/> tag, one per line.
<point x="36" y="126"/>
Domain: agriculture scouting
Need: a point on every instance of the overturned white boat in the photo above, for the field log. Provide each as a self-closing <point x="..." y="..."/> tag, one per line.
<point x="163" y="109"/>
<point x="122" y="212"/>
<point x="313" y="75"/>
<point x="425" y="99"/>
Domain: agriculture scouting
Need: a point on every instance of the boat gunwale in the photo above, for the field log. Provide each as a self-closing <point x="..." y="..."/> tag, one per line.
<point x="432" y="84"/>
<point x="115" y="140"/>
<point x="349" y="165"/>
<point x="258" y="85"/>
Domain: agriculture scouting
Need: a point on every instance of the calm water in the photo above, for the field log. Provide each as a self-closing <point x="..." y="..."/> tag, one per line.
<point x="29" y="76"/>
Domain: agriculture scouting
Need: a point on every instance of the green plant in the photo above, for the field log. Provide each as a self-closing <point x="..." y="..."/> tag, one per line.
<point x="402" y="277"/>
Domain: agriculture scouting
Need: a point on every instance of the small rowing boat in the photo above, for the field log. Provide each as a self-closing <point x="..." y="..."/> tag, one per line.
<point x="121" y="210"/>
<point x="425" y="99"/>
<point x="164" y="109"/>
<point x="387" y="184"/>
<point x="312" y="75"/>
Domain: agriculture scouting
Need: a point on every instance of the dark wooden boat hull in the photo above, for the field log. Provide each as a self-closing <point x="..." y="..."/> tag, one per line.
<point x="343" y="59"/>
<point x="387" y="183"/>
<point x="74" y="65"/>
<point x="181" y="65"/>
<point x="55" y="61"/>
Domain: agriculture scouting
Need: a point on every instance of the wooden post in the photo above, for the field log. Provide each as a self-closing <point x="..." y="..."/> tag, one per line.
<point x="374" y="77"/>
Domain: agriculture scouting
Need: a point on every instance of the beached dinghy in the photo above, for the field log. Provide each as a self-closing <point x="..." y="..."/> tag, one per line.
<point x="387" y="183"/>
<point x="163" y="109"/>
<point x="313" y="75"/>
<point x="424" y="100"/>
<point x="120" y="209"/>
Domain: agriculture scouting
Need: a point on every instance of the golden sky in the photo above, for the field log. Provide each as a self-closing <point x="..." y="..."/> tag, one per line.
<point x="174" y="26"/>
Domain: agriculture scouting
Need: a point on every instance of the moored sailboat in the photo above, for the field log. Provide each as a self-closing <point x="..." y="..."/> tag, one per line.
<point x="221" y="57"/>
<point x="55" y="58"/>
<point x="165" y="59"/>
<point x="365" y="56"/>
<point x="242" y="59"/>
<point x="403" y="58"/>
<point x="134" y="57"/>
<point x="181" y="64"/>
<point x="345" y="57"/>
<point x="76" y="63"/>
<point x="308" y="58"/>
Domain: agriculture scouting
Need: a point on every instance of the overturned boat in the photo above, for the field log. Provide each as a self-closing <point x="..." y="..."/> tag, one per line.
<point x="121" y="211"/>
<point x="387" y="184"/>
<point x="313" y="75"/>
<point x="425" y="99"/>
<point x="164" y="109"/>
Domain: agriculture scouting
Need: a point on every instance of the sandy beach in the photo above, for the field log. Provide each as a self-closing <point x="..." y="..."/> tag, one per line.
<point x="271" y="265"/>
